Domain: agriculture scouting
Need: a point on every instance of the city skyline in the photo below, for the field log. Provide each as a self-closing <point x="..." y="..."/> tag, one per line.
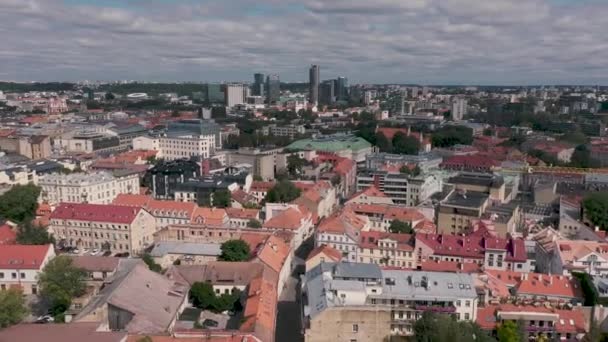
<point x="464" y="42"/>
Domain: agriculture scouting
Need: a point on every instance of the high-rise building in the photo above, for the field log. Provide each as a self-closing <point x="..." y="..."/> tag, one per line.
<point x="313" y="78"/>
<point x="342" y="89"/>
<point x="459" y="108"/>
<point x="214" y="93"/>
<point x="273" y="89"/>
<point x="328" y="92"/>
<point x="258" y="85"/>
<point x="234" y="94"/>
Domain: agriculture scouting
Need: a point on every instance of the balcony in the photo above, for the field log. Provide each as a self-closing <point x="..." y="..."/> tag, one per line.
<point x="438" y="309"/>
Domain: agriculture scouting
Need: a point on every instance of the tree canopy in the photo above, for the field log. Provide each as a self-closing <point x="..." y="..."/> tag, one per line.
<point x="284" y="191"/>
<point x="12" y="307"/>
<point x="595" y="206"/>
<point x="203" y="297"/>
<point x="433" y="327"/>
<point x="400" y="227"/>
<point x="403" y="144"/>
<point x="28" y="234"/>
<point x="234" y="250"/>
<point x="60" y="281"/>
<point x="508" y="332"/>
<point x="152" y="265"/>
<point x="222" y="199"/>
<point x="253" y="223"/>
<point x="19" y="204"/>
<point x="448" y="136"/>
<point x="295" y="164"/>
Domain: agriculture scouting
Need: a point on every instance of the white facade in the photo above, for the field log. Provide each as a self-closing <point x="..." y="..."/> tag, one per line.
<point x="287" y="130"/>
<point x="235" y="94"/>
<point x="21" y="276"/>
<point x="94" y="188"/>
<point x="459" y="108"/>
<point x="403" y="189"/>
<point x="340" y="241"/>
<point x="177" y="147"/>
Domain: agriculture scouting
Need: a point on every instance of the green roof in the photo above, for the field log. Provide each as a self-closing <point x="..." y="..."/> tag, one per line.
<point x="331" y="144"/>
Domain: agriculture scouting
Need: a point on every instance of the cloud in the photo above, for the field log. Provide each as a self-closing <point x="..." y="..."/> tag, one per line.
<point x="423" y="41"/>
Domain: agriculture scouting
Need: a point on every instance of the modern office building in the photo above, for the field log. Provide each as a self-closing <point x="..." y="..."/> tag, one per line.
<point x="401" y="188"/>
<point x="327" y="92"/>
<point x="342" y="89"/>
<point x="215" y="93"/>
<point x="163" y="178"/>
<point x="257" y="89"/>
<point x="234" y="94"/>
<point x="313" y="79"/>
<point x="273" y="89"/>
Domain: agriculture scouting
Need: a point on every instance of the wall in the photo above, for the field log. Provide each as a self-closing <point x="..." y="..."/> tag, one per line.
<point x="336" y="324"/>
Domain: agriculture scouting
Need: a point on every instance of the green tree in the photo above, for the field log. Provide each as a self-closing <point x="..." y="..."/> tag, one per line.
<point x="433" y="327"/>
<point x="202" y="295"/>
<point x="382" y="142"/>
<point x="12" y="307"/>
<point x="28" y="234"/>
<point x="234" y="250"/>
<point x="19" y="204"/>
<point x="403" y="144"/>
<point x="283" y="192"/>
<point x="253" y="223"/>
<point x="295" y="164"/>
<point x="447" y="136"/>
<point x="412" y="172"/>
<point x="152" y="265"/>
<point x="109" y="96"/>
<point x="400" y="227"/>
<point x="222" y="199"/>
<point x="508" y="332"/>
<point x="595" y="208"/>
<point x="60" y="281"/>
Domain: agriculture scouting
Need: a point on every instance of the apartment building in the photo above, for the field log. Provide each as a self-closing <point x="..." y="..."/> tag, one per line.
<point x="171" y="146"/>
<point x="382" y="215"/>
<point x="116" y="228"/>
<point x="459" y="210"/>
<point x="290" y="131"/>
<point x="353" y="301"/>
<point x="401" y="188"/>
<point x="387" y="249"/>
<point x="342" y="231"/>
<point x="580" y="256"/>
<point x="21" y="264"/>
<point x="95" y="188"/>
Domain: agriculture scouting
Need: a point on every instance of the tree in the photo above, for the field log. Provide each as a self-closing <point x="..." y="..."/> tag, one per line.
<point x="253" y="223"/>
<point x="295" y="164"/>
<point x="508" y="332"/>
<point x="405" y="169"/>
<point x="204" y="297"/>
<point x="152" y="265"/>
<point x="382" y="142"/>
<point x="109" y="96"/>
<point x="12" y="307"/>
<point x="595" y="207"/>
<point x="403" y="144"/>
<point x="400" y="227"/>
<point x="60" y="281"/>
<point x="452" y="135"/>
<point x="283" y="192"/>
<point x="222" y="199"/>
<point x="28" y="234"/>
<point x="432" y="327"/>
<point x="19" y="204"/>
<point x="234" y="250"/>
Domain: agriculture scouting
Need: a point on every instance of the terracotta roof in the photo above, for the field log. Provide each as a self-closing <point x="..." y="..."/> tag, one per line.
<point x="261" y="186"/>
<point x="23" y="257"/>
<point x="372" y="191"/>
<point x="425" y="227"/>
<point x="196" y="336"/>
<point x="572" y="250"/>
<point x="449" y="266"/>
<point x="43" y="208"/>
<point x="254" y="240"/>
<point x="388" y="211"/>
<point x="568" y="321"/>
<point x="7" y="235"/>
<point x="273" y="253"/>
<point x="259" y="316"/>
<point x="344" y="165"/>
<point x="96" y="212"/>
<point x="389" y="133"/>
<point x="472" y="246"/>
<point x="370" y="239"/>
<point x="242" y="197"/>
<point x="290" y="218"/>
<point x="550" y="285"/>
<point x="209" y="216"/>
<point x="474" y="161"/>
<point x="242" y="213"/>
<point x="326" y="250"/>
<point x="59" y="333"/>
<point x="343" y="222"/>
<point x="132" y="200"/>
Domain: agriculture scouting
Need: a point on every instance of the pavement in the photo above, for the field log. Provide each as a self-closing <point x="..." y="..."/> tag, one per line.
<point x="289" y="327"/>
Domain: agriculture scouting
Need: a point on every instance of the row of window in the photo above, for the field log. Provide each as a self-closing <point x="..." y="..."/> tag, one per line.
<point x="13" y="275"/>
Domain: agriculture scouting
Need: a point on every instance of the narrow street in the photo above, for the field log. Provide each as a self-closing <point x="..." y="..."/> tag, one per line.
<point x="288" y="313"/>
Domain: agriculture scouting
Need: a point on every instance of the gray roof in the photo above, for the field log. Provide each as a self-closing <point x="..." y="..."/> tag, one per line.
<point x="469" y="199"/>
<point x="357" y="270"/>
<point x="168" y="247"/>
<point x="482" y="179"/>
<point x="440" y="285"/>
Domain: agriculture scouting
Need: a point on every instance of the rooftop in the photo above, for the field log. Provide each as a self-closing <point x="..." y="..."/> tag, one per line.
<point x="22" y="257"/>
<point x="95" y="212"/>
<point x="466" y="199"/>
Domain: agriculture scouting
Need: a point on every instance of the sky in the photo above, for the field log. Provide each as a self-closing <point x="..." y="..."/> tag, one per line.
<point x="496" y="42"/>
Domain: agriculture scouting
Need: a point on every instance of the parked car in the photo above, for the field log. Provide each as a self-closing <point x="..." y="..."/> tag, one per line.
<point x="95" y="251"/>
<point x="45" y="319"/>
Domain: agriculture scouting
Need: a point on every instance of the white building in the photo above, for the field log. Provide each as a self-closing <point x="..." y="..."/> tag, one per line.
<point x="173" y="146"/>
<point x="95" y="188"/>
<point x="287" y="130"/>
<point x="580" y="256"/>
<point x="401" y="188"/>
<point x="235" y="94"/>
<point x="458" y="108"/>
<point x="21" y="264"/>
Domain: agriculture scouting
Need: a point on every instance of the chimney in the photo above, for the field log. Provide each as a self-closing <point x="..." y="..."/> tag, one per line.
<point x="550" y="280"/>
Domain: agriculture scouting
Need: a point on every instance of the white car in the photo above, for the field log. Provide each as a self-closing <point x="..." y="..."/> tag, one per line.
<point x="95" y="251"/>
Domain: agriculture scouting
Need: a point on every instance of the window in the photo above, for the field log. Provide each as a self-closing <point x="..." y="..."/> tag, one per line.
<point x="355" y="328"/>
<point x="14" y="275"/>
<point x="467" y="303"/>
<point x="22" y="275"/>
<point x="1" y="275"/>
<point x="466" y="316"/>
<point x="34" y="290"/>
<point x="457" y="303"/>
<point x="519" y="266"/>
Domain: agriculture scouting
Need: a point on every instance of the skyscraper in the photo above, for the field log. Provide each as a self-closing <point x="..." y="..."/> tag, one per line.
<point x="313" y="79"/>
<point x="342" y="89"/>
<point x="328" y="92"/>
<point x="273" y="89"/>
<point x="258" y="85"/>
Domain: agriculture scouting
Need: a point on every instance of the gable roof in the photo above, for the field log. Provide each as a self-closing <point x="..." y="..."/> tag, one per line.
<point x="370" y="240"/>
<point x="371" y="191"/>
<point x="96" y="212"/>
<point x="96" y="263"/>
<point x="344" y="222"/>
<point x="472" y="246"/>
<point x="59" y="333"/>
<point x="242" y="213"/>
<point x="210" y="216"/>
<point x="274" y="253"/>
<point x="291" y="218"/>
<point x="23" y="257"/>
<point x="330" y="252"/>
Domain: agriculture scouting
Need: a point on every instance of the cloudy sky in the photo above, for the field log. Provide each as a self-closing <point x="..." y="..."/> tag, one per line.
<point x="369" y="41"/>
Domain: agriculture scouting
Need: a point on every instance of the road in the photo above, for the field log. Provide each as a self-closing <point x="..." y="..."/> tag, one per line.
<point x="288" y="327"/>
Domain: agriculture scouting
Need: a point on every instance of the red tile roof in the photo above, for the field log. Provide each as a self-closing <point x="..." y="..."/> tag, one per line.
<point x="344" y="165"/>
<point x="330" y="252"/>
<point x="242" y="213"/>
<point x="425" y="227"/>
<point x="261" y="186"/>
<point x="388" y="211"/>
<point x="274" y="253"/>
<point x="450" y="266"/>
<point x="7" y="235"/>
<point x="22" y="257"/>
<point x="95" y="212"/>
<point x="389" y="133"/>
<point x="469" y="162"/>
<point x="472" y="246"/>
<point x="369" y="239"/>
<point x="343" y="222"/>
<point x="372" y="191"/>
<point x="209" y="216"/>
<point x="290" y="218"/>
<point x="539" y="284"/>
<point x="569" y="321"/>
